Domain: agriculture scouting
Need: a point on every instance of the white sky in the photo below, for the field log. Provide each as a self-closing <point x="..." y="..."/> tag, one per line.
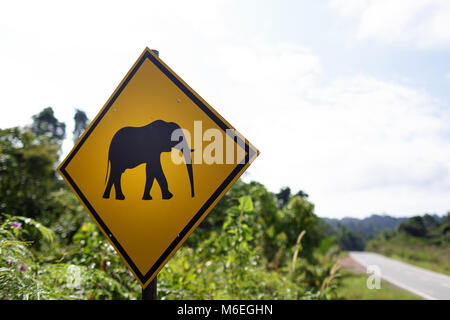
<point x="346" y="99"/>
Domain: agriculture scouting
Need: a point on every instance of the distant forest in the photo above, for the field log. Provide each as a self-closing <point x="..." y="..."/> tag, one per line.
<point x="369" y="226"/>
<point x="354" y="234"/>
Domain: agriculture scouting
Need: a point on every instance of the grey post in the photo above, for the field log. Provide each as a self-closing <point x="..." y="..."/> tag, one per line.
<point x="150" y="292"/>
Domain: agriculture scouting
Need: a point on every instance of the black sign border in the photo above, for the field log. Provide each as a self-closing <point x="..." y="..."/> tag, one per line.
<point x="249" y="153"/>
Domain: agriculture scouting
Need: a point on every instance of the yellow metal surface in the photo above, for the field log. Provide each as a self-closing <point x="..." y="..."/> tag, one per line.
<point x="143" y="230"/>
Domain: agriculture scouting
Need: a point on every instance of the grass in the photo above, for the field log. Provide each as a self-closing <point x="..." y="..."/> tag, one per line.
<point x="353" y="287"/>
<point x="414" y="251"/>
<point x="422" y="263"/>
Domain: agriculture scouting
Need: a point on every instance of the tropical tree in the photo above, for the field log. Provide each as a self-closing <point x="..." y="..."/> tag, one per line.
<point x="81" y="123"/>
<point x="27" y="174"/>
<point x="414" y="226"/>
<point x="45" y="124"/>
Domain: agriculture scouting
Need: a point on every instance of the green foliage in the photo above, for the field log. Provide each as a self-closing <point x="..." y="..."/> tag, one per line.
<point x="81" y="123"/>
<point x="350" y="240"/>
<point x="423" y="241"/>
<point x="414" y="226"/>
<point x="227" y="264"/>
<point x="26" y="273"/>
<point x="45" y="125"/>
<point x="367" y="228"/>
<point x="285" y="194"/>
<point x="26" y="229"/>
<point x="249" y="247"/>
<point x="230" y="264"/>
<point x="18" y="267"/>
<point x="278" y="228"/>
<point x="354" y="287"/>
<point x="27" y="175"/>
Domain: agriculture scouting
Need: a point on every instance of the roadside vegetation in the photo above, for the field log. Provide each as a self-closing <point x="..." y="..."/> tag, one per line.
<point x="353" y="286"/>
<point x="422" y="241"/>
<point x="254" y="244"/>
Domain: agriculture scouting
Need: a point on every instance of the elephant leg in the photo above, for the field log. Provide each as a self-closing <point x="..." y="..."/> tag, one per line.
<point x="117" y="174"/>
<point x="148" y="183"/>
<point x="161" y="178"/>
<point x="108" y="187"/>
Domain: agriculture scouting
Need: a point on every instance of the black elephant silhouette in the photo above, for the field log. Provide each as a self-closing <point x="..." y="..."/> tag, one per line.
<point x="132" y="146"/>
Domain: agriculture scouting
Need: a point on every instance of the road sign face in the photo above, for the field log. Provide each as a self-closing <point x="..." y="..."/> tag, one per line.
<point x="153" y="163"/>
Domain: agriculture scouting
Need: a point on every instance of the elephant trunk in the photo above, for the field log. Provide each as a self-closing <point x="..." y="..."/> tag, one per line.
<point x="179" y="142"/>
<point x="188" y="160"/>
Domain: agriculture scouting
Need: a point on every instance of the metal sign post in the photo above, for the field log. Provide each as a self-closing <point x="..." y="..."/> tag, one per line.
<point x="150" y="292"/>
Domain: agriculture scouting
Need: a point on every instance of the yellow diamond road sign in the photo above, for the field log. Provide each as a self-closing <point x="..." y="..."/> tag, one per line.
<point x="153" y="163"/>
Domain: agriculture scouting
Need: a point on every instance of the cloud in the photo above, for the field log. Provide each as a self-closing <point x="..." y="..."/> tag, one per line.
<point x="356" y="144"/>
<point x="66" y="56"/>
<point x="424" y="24"/>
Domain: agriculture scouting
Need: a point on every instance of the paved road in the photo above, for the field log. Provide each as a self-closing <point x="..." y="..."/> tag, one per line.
<point x="424" y="283"/>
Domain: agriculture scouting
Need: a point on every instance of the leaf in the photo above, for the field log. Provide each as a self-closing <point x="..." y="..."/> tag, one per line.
<point x="246" y="204"/>
<point x="46" y="233"/>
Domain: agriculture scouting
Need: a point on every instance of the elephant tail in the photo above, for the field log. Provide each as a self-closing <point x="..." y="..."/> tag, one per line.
<point x="107" y="170"/>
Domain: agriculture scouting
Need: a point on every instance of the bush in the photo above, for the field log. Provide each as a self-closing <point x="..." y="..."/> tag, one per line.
<point x="414" y="226"/>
